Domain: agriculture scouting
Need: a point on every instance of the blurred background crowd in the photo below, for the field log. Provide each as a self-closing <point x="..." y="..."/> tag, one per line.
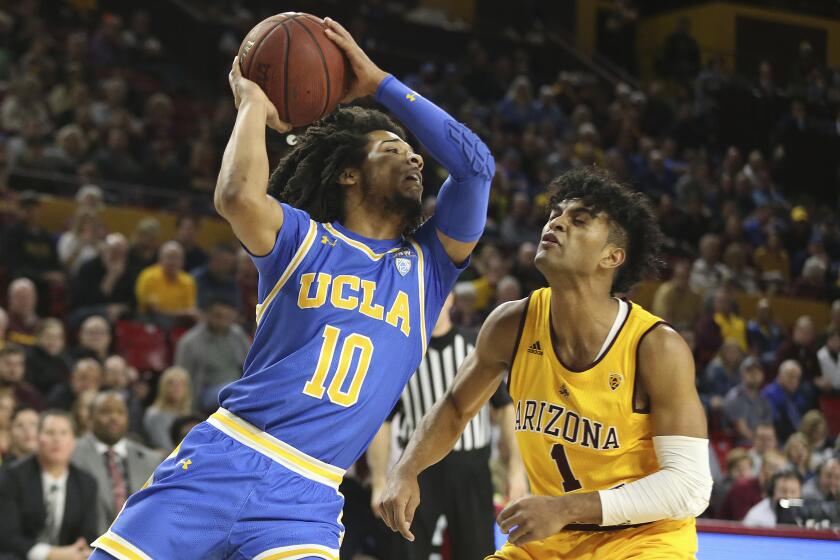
<point x="126" y="303"/>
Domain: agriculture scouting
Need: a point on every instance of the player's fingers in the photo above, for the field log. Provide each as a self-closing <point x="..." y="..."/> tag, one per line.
<point x="405" y="530"/>
<point x="235" y="70"/>
<point x="388" y="514"/>
<point x="338" y="28"/>
<point x="274" y="122"/>
<point x="509" y="511"/>
<point x="507" y="524"/>
<point x="521" y="535"/>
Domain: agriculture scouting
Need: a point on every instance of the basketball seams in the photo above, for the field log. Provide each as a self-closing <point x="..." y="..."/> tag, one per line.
<point x="257" y="44"/>
<point x="287" y="117"/>
<point x="323" y="64"/>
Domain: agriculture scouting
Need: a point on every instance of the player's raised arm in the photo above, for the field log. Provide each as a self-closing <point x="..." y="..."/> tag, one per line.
<point x="474" y="384"/>
<point x="678" y="490"/>
<point x="461" y="209"/>
<point x="241" y="189"/>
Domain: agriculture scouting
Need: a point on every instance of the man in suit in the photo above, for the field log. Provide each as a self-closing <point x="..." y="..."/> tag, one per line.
<point x="46" y="504"/>
<point x="119" y="465"/>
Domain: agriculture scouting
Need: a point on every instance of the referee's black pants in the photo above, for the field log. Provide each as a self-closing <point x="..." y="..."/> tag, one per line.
<point x="460" y="488"/>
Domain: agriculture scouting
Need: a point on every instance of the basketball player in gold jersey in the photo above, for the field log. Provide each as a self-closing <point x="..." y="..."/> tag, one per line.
<point x="608" y="420"/>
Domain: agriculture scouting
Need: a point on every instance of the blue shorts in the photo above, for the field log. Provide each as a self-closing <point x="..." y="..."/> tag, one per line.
<point x="230" y="491"/>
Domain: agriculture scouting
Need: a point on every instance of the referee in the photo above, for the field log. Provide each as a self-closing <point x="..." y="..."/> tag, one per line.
<point x="459" y="487"/>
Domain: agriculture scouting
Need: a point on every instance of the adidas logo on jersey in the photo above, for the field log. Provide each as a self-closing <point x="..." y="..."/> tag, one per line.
<point x="535" y="349"/>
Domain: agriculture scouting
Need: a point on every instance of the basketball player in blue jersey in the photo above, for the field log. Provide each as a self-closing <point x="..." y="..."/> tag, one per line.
<point x="349" y="290"/>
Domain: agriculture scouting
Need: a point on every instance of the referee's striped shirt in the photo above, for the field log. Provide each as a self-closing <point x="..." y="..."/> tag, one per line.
<point x="430" y="382"/>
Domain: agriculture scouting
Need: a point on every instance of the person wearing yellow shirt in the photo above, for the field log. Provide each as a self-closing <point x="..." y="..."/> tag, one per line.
<point x="164" y="288"/>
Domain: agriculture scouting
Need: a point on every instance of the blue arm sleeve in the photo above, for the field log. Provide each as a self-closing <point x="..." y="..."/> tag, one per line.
<point x="461" y="209"/>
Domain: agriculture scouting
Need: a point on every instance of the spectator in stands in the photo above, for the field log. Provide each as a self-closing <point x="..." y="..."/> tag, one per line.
<point x="517" y="227"/>
<point x="802" y="348"/>
<point x="722" y="322"/>
<point x="213" y="352"/>
<point x="164" y="290"/>
<point x="798" y="453"/>
<point x="145" y="241"/>
<point x="764" y="334"/>
<point x="681" y="55"/>
<point x="826" y="485"/>
<point x="47" y="505"/>
<point x="216" y="279"/>
<point x="24" y="435"/>
<point x="80" y="410"/>
<point x="30" y="250"/>
<point x="46" y="362"/>
<point x="115" y="161"/>
<point x="464" y="311"/>
<point x="174" y="399"/>
<point x="7" y="411"/>
<point x="94" y="340"/>
<point x="723" y="373"/>
<point x="811" y="284"/>
<point x="86" y="376"/>
<point x="744" y="407"/>
<point x="788" y="398"/>
<point x="89" y="198"/>
<point x="829" y="360"/>
<point x="744" y="494"/>
<point x="119" y="377"/>
<point x="765" y="440"/>
<point x="772" y="262"/>
<point x="786" y="484"/>
<point x="707" y="272"/>
<point x="186" y="234"/>
<point x="119" y="465"/>
<point x="104" y="285"/>
<point x="12" y="377"/>
<point x="743" y="277"/>
<point x="23" y="103"/>
<point x="815" y="427"/>
<point x="739" y="469"/>
<point x="81" y="242"/>
<point x="23" y="318"/>
<point x="675" y="301"/>
<point x="524" y="268"/>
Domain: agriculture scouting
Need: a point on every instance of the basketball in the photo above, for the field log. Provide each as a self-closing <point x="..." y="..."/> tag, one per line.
<point x="303" y="73"/>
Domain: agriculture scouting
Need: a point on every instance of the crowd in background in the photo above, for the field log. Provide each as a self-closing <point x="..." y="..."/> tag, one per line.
<point x="152" y="327"/>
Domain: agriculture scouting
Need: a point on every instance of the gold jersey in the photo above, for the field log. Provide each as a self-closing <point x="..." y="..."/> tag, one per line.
<point x="580" y="430"/>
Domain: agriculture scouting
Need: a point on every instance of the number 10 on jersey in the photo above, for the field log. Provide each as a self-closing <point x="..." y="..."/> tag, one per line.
<point x="315" y="387"/>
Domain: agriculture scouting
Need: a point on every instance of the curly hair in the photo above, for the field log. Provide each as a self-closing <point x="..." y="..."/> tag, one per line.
<point x="634" y="226"/>
<point x="306" y="177"/>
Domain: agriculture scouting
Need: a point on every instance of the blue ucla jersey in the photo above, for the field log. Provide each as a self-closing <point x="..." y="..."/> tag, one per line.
<point x="343" y="321"/>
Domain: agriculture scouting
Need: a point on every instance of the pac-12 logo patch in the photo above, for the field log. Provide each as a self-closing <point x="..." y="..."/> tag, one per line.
<point x="403" y="265"/>
<point x="615" y="380"/>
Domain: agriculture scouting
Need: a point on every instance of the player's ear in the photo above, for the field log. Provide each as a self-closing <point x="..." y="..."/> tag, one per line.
<point x="349" y="177"/>
<point x="613" y="256"/>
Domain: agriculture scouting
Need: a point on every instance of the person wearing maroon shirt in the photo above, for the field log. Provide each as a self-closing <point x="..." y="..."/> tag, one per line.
<point x="746" y="493"/>
<point x="12" y="370"/>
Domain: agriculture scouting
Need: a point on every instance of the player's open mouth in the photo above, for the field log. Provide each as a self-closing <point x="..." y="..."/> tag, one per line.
<point x="548" y="240"/>
<point x="416" y="177"/>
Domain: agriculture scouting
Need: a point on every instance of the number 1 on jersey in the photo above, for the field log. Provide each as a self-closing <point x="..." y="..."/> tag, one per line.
<point x="570" y="483"/>
<point x="315" y="386"/>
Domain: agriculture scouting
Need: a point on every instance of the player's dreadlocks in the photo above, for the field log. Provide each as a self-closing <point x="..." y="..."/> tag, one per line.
<point x="634" y="225"/>
<point x="307" y="176"/>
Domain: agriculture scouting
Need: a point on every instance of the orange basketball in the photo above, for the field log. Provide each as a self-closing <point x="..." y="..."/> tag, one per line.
<point x="303" y="73"/>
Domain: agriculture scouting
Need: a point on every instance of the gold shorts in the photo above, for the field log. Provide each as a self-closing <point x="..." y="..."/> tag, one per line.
<point x="663" y="540"/>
